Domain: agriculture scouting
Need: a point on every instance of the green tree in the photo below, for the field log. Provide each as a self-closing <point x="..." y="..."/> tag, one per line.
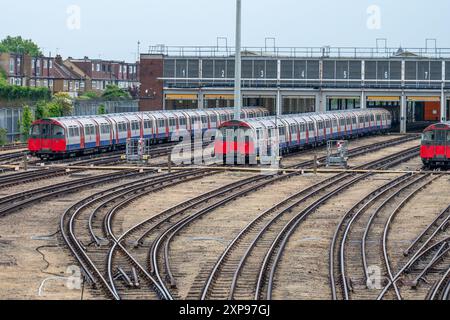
<point x="41" y="110"/>
<point x="101" y="109"/>
<point x="54" y="110"/>
<point x="19" y="45"/>
<point x="3" y="136"/>
<point x="65" y="103"/>
<point x="27" y="120"/>
<point x="113" y="92"/>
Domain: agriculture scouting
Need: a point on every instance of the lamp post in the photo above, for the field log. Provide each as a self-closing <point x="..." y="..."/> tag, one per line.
<point x="237" y="81"/>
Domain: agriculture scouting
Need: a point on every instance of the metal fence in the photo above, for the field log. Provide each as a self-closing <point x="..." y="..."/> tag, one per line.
<point x="86" y="108"/>
<point x="9" y="120"/>
<point x="299" y="52"/>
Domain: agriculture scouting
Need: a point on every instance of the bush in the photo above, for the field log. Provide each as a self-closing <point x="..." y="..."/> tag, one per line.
<point x="41" y="110"/>
<point x="113" y="92"/>
<point x="13" y="92"/>
<point x="89" y="95"/>
<point x="3" y="136"/>
<point x="101" y="109"/>
<point x="59" y="106"/>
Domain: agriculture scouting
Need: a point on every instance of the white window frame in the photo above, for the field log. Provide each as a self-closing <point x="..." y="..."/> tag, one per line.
<point x="11" y="66"/>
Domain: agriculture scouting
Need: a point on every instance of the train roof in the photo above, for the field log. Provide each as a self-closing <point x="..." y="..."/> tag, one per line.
<point x="253" y="122"/>
<point x="439" y="126"/>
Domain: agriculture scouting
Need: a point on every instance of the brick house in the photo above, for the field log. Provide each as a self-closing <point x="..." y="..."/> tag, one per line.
<point x="15" y="66"/>
<point x="105" y="72"/>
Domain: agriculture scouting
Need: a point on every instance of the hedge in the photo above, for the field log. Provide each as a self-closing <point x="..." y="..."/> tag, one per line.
<point x="12" y="92"/>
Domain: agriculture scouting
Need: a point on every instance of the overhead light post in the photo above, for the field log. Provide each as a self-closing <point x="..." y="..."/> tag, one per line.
<point x="237" y="68"/>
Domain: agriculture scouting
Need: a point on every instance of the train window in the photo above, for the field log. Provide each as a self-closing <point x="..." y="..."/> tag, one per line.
<point x="204" y="120"/>
<point x="147" y="124"/>
<point x="89" y="130"/>
<point x="35" y="130"/>
<point x="135" y="125"/>
<point x="182" y="121"/>
<point x="72" y="132"/>
<point x="213" y="118"/>
<point x="354" y="120"/>
<point x="161" y="123"/>
<point x="258" y="134"/>
<point x="428" y="136"/>
<point x="282" y="131"/>
<point x="440" y="135"/>
<point x="293" y="129"/>
<point x="334" y="123"/>
<point x="172" y="122"/>
<point x="105" y="129"/>
<point x="448" y="136"/>
<point x="311" y="126"/>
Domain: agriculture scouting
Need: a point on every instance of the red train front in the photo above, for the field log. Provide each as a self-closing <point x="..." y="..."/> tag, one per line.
<point x="235" y="142"/>
<point x="435" y="148"/>
<point x="47" y="138"/>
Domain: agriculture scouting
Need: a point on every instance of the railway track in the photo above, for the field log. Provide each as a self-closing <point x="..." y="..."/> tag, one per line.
<point x="149" y="242"/>
<point x="105" y="260"/>
<point x="48" y="172"/>
<point x="247" y="267"/>
<point x="15" y="146"/>
<point x="8" y="158"/>
<point x="358" y="151"/>
<point x="16" y="201"/>
<point x="359" y="225"/>
<point x="427" y="258"/>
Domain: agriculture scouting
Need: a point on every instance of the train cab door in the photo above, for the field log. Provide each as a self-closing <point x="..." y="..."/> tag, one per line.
<point x="46" y="135"/>
<point x="440" y="144"/>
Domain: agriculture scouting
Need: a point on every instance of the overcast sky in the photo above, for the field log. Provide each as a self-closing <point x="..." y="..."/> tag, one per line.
<point x="111" y="28"/>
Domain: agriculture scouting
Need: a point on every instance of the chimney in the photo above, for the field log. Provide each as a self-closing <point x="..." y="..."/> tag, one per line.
<point x="58" y="59"/>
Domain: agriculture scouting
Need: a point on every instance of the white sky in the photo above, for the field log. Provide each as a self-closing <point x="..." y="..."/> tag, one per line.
<point x="111" y="28"/>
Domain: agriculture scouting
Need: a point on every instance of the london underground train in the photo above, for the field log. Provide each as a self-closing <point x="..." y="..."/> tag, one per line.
<point x="435" y="145"/>
<point x="296" y="131"/>
<point x="71" y="136"/>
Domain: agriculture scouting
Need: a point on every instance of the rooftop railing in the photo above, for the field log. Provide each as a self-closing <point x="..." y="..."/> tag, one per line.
<point x="301" y="52"/>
